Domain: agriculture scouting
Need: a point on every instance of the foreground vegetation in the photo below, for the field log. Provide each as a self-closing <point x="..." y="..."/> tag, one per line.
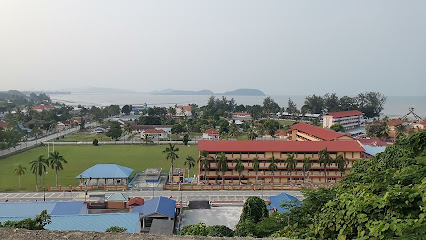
<point x="79" y="158"/>
<point x="381" y="198"/>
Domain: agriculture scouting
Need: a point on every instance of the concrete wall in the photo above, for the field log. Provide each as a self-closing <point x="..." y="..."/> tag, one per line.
<point x="18" y="234"/>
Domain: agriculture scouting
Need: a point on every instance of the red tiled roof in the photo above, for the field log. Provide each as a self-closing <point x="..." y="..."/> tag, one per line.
<point x="153" y="130"/>
<point x="321" y="133"/>
<point x="136" y="201"/>
<point x="345" y="113"/>
<point x="423" y="123"/>
<point x="3" y="124"/>
<point x="280" y="133"/>
<point x="395" y="122"/>
<point x="241" y="113"/>
<point x="373" y="142"/>
<point x="279" y="146"/>
<point x="43" y="107"/>
<point x="212" y="132"/>
<point x="186" y="108"/>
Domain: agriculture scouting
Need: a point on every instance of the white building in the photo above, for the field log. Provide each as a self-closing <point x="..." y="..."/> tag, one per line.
<point x="348" y="119"/>
<point x="155" y="134"/>
<point x="183" y="111"/>
<point x="211" y="134"/>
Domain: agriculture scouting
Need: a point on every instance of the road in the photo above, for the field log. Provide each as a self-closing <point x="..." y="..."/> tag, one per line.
<point x="28" y="144"/>
<point x="185" y="196"/>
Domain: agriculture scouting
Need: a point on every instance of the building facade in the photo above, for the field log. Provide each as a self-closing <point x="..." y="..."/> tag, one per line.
<point x="264" y="150"/>
<point x="348" y="119"/>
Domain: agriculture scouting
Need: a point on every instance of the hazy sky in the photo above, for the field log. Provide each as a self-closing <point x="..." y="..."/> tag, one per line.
<point x="290" y="47"/>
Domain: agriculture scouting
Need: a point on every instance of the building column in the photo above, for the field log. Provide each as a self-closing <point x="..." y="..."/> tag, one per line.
<point x="143" y="222"/>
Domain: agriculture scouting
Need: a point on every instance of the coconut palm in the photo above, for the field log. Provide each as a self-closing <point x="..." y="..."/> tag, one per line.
<point x="400" y="131"/>
<point x="256" y="166"/>
<point x="38" y="167"/>
<point x="239" y="167"/>
<point x="127" y="129"/>
<point x="251" y="134"/>
<point x="190" y="161"/>
<point x="171" y="155"/>
<point x="55" y="160"/>
<point x="147" y="139"/>
<point x="341" y="163"/>
<point x="222" y="165"/>
<point x="306" y="167"/>
<point x="273" y="166"/>
<point x="20" y="170"/>
<point x="290" y="163"/>
<point x="204" y="162"/>
<point x="324" y="160"/>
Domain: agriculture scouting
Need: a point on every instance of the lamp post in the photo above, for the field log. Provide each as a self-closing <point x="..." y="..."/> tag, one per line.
<point x="44" y="195"/>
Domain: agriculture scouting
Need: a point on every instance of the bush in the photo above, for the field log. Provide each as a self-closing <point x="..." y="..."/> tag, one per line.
<point x="116" y="229"/>
<point x="199" y="229"/>
<point x="219" y="231"/>
<point x="95" y="142"/>
<point x="37" y="223"/>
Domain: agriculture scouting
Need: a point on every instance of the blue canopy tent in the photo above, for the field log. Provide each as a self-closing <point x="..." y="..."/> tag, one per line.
<point x="280" y="199"/>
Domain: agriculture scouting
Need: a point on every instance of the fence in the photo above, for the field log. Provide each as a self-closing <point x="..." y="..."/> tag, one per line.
<point x="201" y="187"/>
<point x="84" y="188"/>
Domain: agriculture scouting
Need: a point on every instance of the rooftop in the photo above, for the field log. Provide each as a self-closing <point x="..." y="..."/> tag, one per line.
<point x="158" y="205"/>
<point x="345" y="113"/>
<point x="279" y="146"/>
<point x="242" y="114"/>
<point x="30" y="209"/>
<point x="212" y="132"/>
<point x="153" y="171"/>
<point x="321" y="133"/>
<point x="395" y="122"/>
<point x="106" y="171"/>
<point x="370" y="150"/>
<point x="154" y="131"/>
<point x="280" y="199"/>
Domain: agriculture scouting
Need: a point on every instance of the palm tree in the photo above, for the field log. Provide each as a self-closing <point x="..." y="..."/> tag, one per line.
<point x="232" y="132"/>
<point x="147" y="139"/>
<point x="222" y="165"/>
<point x="341" y="163"/>
<point x="171" y="154"/>
<point x="239" y="167"/>
<point x="306" y="167"/>
<point x="273" y="166"/>
<point x="324" y="160"/>
<point x="55" y="161"/>
<point x="400" y="131"/>
<point x="290" y="163"/>
<point x="127" y="129"/>
<point x="256" y="166"/>
<point x="38" y="167"/>
<point x="20" y="170"/>
<point x="204" y="162"/>
<point x="190" y="161"/>
<point x="251" y="134"/>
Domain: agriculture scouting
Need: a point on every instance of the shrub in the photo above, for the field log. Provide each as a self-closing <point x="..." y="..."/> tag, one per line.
<point x="95" y="142"/>
<point x="116" y="229"/>
<point x="219" y="231"/>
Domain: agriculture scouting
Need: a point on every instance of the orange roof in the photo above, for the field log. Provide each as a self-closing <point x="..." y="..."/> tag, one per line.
<point x="241" y="113"/>
<point x="280" y="133"/>
<point x="212" y="132"/>
<point x="153" y="130"/>
<point x="321" y="133"/>
<point x="373" y="142"/>
<point x="279" y="146"/>
<point x="423" y="123"/>
<point x="186" y="108"/>
<point x="136" y="201"/>
<point x="395" y="122"/>
<point x="345" y="113"/>
<point x="43" y="107"/>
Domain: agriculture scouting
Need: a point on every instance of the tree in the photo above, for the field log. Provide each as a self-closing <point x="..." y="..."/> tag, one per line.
<point x="38" y="167"/>
<point x="37" y="223"/>
<point x="254" y="209"/>
<point x="306" y="167"/>
<point x="371" y="103"/>
<point x="185" y="139"/>
<point x="324" y="160"/>
<point x="290" y="163"/>
<point x="331" y="102"/>
<point x="190" y="161"/>
<point x="147" y="139"/>
<point x="55" y="160"/>
<point x="251" y="134"/>
<point x="222" y="165"/>
<point x="116" y="229"/>
<point x="271" y="127"/>
<point x="239" y="167"/>
<point x="126" y="109"/>
<point x="128" y="128"/>
<point x="338" y="127"/>
<point x="314" y="104"/>
<point x="291" y="108"/>
<point x="270" y="106"/>
<point x="219" y="231"/>
<point x="341" y="163"/>
<point x="204" y="162"/>
<point x="273" y="166"/>
<point x="400" y="131"/>
<point x="256" y="166"/>
<point x="171" y="155"/>
<point x="114" y="131"/>
<point x="20" y="170"/>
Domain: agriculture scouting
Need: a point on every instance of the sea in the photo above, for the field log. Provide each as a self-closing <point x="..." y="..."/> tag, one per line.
<point x="395" y="106"/>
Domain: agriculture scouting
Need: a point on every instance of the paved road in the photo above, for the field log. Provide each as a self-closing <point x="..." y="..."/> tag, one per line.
<point x="185" y="196"/>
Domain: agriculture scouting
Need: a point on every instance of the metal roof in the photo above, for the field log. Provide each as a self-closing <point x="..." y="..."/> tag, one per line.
<point x="30" y="209"/>
<point x="280" y="199"/>
<point x="106" y="171"/>
<point x="370" y="150"/>
<point x="118" y="197"/>
<point x="321" y="133"/>
<point x="158" y="205"/>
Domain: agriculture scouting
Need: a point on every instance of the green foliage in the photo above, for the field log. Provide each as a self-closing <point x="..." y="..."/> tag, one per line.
<point x="95" y="142"/>
<point x="246" y="228"/>
<point x="199" y="229"/>
<point x="36" y="223"/>
<point x="219" y="231"/>
<point x="185" y="139"/>
<point x="338" y="127"/>
<point x="116" y="229"/>
<point x="254" y="210"/>
<point x="114" y="131"/>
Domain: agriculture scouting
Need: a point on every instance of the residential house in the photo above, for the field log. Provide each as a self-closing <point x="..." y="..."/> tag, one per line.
<point x="281" y="134"/>
<point x="43" y="107"/>
<point x="159" y="208"/>
<point x="393" y="124"/>
<point x="155" y="134"/>
<point x="183" y="111"/>
<point x="348" y="119"/>
<point x="241" y="116"/>
<point x="211" y="134"/>
<point x="141" y="128"/>
<point x="419" y="126"/>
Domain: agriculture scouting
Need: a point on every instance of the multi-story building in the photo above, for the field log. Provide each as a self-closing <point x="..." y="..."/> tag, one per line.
<point x="307" y="132"/>
<point x="264" y="150"/>
<point x="348" y="119"/>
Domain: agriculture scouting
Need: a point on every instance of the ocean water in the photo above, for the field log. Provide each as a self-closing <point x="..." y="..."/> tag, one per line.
<point x="396" y="106"/>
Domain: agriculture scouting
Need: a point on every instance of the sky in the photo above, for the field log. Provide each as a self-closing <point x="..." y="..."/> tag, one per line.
<point x="278" y="46"/>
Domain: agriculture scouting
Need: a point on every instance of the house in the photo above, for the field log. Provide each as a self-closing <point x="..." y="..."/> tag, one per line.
<point x="183" y="111"/>
<point x="60" y="125"/>
<point x="307" y="132"/>
<point x="241" y="116"/>
<point x="3" y="125"/>
<point x="155" y="134"/>
<point x="157" y="208"/>
<point x="392" y="125"/>
<point x="43" y="107"/>
<point x="105" y="174"/>
<point x="374" y="142"/>
<point x="141" y="128"/>
<point x="419" y="126"/>
<point x="100" y="130"/>
<point x="211" y="134"/>
<point x="348" y="119"/>
<point x="281" y="134"/>
<point x="264" y="150"/>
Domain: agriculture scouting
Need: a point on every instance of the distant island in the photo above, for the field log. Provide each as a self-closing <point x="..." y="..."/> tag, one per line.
<point x="238" y="92"/>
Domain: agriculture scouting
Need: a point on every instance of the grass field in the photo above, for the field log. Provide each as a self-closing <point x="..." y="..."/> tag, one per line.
<point x="83" y="137"/>
<point x="138" y="157"/>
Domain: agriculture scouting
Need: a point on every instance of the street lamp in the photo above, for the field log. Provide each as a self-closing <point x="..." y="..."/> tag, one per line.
<point x="44" y="195"/>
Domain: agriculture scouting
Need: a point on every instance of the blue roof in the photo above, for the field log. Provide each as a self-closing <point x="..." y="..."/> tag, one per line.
<point x="106" y="171"/>
<point x="280" y="199"/>
<point x="370" y="150"/>
<point x="30" y="209"/>
<point x="90" y="222"/>
<point x="158" y="205"/>
<point x="24" y="128"/>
